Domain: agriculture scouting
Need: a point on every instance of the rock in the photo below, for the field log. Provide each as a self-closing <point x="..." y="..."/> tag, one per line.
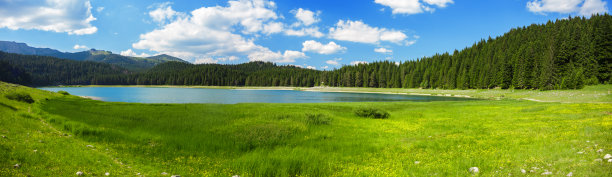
<point x="16" y="166"/>
<point x="164" y="173"/>
<point x="417" y="162"/>
<point x="236" y="176"/>
<point x="90" y="146"/>
<point x="570" y="174"/>
<point x="600" y="150"/>
<point x="107" y="174"/>
<point x="580" y="152"/>
<point x="175" y="176"/>
<point x="608" y="156"/>
<point x="79" y="173"/>
<point x="35" y="150"/>
<point x="547" y="173"/>
<point x="523" y="171"/>
<point x="474" y="169"/>
<point x="3" y="136"/>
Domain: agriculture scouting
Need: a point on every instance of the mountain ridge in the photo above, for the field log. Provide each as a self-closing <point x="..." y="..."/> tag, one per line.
<point x="101" y="56"/>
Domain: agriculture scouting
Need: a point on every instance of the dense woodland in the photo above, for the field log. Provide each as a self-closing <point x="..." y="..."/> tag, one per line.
<point x="564" y="54"/>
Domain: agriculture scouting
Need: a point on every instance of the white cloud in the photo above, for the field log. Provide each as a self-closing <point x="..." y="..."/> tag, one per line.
<point x="383" y="50"/>
<point x="306" y="17"/>
<point x="313" y="31"/>
<point x="582" y="7"/>
<point x="411" y="42"/>
<point x="266" y="55"/>
<point x="311" y="67"/>
<point x="131" y="53"/>
<point x="77" y="46"/>
<point x="439" y="3"/>
<point x="324" y="67"/>
<point x="207" y="32"/>
<point x="273" y="27"/>
<point x="591" y="7"/>
<point x="206" y="61"/>
<point x="413" y="6"/>
<point x="357" y="31"/>
<point x="358" y="62"/>
<point x="62" y="16"/>
<point x="335" y="61"/>
<point x="326" y="49"/>
<point x="163" y="12"/>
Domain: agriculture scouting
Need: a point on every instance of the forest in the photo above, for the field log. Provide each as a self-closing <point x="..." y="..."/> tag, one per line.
<point x="564" y="54"/>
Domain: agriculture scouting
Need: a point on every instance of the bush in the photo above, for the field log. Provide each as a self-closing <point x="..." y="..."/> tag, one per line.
<point x="18" y="96"/>
<point x="317" y="119"/>
<point x="63" y="92"/>
<point x="372" y="113"/>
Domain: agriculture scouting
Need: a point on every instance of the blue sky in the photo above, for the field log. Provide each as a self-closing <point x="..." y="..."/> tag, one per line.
<point x="321" y="34"/>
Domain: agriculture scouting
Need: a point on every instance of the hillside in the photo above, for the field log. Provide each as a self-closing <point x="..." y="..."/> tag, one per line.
<point x="43" y="70"/>
<point x="101" y="56"/>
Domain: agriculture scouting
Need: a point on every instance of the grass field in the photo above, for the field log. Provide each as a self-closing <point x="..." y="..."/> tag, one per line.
<point x="500" y="137"/>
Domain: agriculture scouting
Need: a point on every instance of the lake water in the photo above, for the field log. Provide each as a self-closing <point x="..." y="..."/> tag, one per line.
<point x="232" y="96"/>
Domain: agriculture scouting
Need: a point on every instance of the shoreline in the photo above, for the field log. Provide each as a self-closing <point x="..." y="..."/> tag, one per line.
<point x="589" y="94"/>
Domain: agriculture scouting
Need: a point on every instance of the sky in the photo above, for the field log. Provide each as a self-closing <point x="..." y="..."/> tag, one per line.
<point x="316" y="34"/>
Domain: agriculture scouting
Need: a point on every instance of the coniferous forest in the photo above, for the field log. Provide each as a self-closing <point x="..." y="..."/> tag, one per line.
<point x="564" y="54"/>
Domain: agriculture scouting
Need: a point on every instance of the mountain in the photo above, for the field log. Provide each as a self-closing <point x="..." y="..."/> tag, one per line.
<point x="132" y="63"/>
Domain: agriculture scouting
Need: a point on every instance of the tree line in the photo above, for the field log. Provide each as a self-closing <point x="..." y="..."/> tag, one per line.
<point x="564" y="54"/>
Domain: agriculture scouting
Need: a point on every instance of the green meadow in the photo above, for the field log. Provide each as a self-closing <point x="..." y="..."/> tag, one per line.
<point x="58" y="135"/>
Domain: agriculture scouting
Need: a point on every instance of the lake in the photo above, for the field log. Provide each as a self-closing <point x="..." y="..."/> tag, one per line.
<point x="232" y="96"/>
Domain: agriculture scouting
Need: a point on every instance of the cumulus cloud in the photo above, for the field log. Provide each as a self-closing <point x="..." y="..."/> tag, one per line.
<point x="77" y="47"/>
<point x="324" y="67"/>
<point x="582" y="7"/>
<point x="266" y="55"/>
<point x="591" y="7"/>
<point x="306" y="17"/>
<point x="131" y="53"/>
<point x="163" y="12"/>
<point x="413" y="6"/>
<point x="358" y="62"/>
<point x="317" y="47"/>
<point x="208" y="32"/>
<point x="357" y="31"/>
<point x="335" y="61"/>
<point x="383" y="50"/>
<point x="311" y="67"/>
<point x="207" y="60"/>
<point x="62" y="16"/>
<point x="312" y="31"/>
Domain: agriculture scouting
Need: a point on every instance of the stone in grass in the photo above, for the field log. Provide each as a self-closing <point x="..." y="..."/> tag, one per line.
<point x="16" y="166"/>
<point x="523" y="171"/>
<point x="79" y="173"/>
<point x="107" y="174"/>
<point x="417" y="162"/>
<point x="600" y="150"/>
<point x="164" y="173"/>
<point x="570" y="174"/>
<point x="175" y="176"/>
<point x="236" y="176"/>
<point x="474" y="170"/>
<point x="608" y="156"/>
<point x="547" y="173"/>
<point x="90" y="146"/>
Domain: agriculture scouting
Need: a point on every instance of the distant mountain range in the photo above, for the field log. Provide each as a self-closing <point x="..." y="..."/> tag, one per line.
<point x="131" y="63"/>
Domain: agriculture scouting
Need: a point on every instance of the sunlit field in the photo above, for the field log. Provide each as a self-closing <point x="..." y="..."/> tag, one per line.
<point x="59" y="135"/>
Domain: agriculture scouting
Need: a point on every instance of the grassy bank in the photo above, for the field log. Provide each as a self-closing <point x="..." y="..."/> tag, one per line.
<point x="324" y="139"/>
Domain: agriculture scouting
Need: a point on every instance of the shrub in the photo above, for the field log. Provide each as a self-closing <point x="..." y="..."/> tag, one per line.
<point x="18" y="96"/>
<point x="317" y="119"/>
<point x="372" y="113"/>
<point x="63" y="92"/>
